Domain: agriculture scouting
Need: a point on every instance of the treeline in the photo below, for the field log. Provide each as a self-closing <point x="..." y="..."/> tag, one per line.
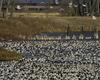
<point x="67" y="7"/>
<point x="7" y="6"/>
<point x="80" y="7"/>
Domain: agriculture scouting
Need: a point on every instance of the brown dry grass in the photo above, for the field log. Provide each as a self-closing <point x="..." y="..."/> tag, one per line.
<point x="7" y="55"/>
<point x="35" y="14"/>
<point x="27" y="26"/>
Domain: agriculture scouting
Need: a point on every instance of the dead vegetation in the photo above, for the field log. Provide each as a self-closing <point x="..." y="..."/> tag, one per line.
<point x="24" y="27"/>
<point x="6" y="55"/>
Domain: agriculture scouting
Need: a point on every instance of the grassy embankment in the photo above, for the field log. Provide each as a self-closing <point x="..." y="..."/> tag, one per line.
<point x="6" y="55"/>
<point x="19" y="27"/>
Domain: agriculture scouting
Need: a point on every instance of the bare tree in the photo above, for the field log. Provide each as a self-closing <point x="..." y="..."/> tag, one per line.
<point x="47" y="5"/>
<point x="67" y="8"/>
<point x="12" y="7"/>
<point x="93" y="7"/>
<point x="5" y="6"/>
<point x="1" y="2"/>
<point x="63" y="7"/>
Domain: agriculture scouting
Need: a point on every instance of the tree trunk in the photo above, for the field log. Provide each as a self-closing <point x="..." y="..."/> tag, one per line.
<point x="6" y="9"/>
<point x="12" y="8"/>
<point x="1" y="2"/>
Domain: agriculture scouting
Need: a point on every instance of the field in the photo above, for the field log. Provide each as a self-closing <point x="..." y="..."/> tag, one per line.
<point x="26" y="27"/>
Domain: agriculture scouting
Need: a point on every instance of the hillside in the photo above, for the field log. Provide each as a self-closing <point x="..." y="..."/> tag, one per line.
<point x="24" y="27"/>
